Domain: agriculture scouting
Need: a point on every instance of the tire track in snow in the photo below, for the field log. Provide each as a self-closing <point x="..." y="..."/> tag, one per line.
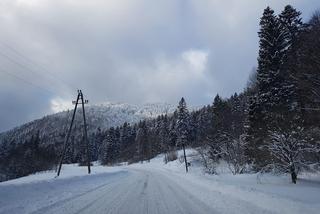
<point x="64" y="201"/>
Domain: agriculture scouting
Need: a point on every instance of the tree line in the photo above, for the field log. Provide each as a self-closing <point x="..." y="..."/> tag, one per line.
<point x="273" y="125"/>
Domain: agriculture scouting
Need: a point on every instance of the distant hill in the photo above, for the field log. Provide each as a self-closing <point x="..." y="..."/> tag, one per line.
<point x="37" y="145"/>
<point x="100" y="116"/>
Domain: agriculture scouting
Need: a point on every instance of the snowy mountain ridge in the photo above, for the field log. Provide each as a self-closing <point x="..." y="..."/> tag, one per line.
<point x="99" y="116"/>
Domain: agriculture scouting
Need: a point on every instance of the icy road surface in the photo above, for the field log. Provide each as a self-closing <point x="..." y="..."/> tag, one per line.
<point x="137" y="191"/>
<point x="129" y="191"/>
<point x="154" y="188"/>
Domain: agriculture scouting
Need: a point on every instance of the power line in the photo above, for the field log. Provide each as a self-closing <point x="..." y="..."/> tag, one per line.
<point x="27" y="68"/>
<point x="26" y="81"/>
<point x="18" y="63"/>
<point x="69" y="85"/>
<point x="37" y="65"/>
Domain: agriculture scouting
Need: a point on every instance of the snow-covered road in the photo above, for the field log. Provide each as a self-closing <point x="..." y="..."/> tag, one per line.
<point x="152" y="188"/>
<point x="138" y="191"/>
<point x="133" y="190"/>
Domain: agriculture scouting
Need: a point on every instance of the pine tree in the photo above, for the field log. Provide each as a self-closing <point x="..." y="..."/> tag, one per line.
<point x="193" y="129"/>
<point x="221" y="111"/>
<point x="291" y="24"/>
<point x="204" y="124"/>
<point x="124" y="134"/>
<point x="164" y="134"/>
<point x="291" y="27"/>
<point x="271" y="55"/>
<point x="276" y="91"/>
<point x="221" y="126"/>
<point x="142" y="141"/>
<point x="110" y="147"/>
<point x="173" y="131"/>
<point x="237" y="115"/>
<point x="182" y="124"/>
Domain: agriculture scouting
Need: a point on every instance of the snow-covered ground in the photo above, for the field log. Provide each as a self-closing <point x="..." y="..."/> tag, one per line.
<point x="156" y="187"/>
<point x="275" y="194"/>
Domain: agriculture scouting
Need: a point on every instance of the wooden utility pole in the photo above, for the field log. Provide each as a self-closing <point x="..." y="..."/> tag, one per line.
<point x="185" y="157"/>
<point x="85" y="130"/>
<point x="81" y="101"/>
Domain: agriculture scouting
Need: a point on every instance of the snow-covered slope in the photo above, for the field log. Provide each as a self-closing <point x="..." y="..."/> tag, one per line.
<point x="155" y="187"/>
<point x="101" y="116"/>
<point x="115" y="114"/>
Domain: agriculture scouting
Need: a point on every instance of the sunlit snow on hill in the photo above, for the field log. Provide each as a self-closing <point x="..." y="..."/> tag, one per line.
<point x="100" y="116"/>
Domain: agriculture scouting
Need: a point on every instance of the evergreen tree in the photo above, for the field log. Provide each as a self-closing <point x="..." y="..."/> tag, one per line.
<point x="303" y="63"/>
<point x="173" y="131"/>
<point x="271" y="54"/>
<point x="221" y="126"/>
<point x="291" y="27"/>
<point x="291" y="24"/>
<point x="182" y="124"/>
<point x="164" y="134"/>
<point x="204" y="124"/>
<point x="110" y="147"/>
<point x="124" y="134"/>
<point x="238" y="114"/>
<point x="221" y="111"/>
<point x="142" y="141"/>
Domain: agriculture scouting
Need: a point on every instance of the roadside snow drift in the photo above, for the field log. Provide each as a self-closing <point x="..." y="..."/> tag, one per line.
<point x="155" y="187"/>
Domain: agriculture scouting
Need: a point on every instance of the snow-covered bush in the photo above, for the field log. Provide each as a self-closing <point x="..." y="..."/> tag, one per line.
<point x="170" y="156"/>
<point x="208" y="164"/>
<point x="234" y="154"/>
<point x="228" y="148"/>
<point x="288" y="148"/>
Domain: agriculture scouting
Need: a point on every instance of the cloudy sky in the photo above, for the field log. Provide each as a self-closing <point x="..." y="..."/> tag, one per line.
<point x="133" y="51"/>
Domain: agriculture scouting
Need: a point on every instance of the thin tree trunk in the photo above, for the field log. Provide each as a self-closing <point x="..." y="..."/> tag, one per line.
<point x="293" y="174"/>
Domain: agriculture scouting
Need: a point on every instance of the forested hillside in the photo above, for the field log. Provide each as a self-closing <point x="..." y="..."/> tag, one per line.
<point x="37" y="145"/>
<point x="273" y="125"/>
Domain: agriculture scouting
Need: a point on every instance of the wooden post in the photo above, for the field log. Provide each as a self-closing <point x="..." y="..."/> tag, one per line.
<point x="85" y="132"/>
<point x="185" y="157"/>
<point x="68" y="136"/>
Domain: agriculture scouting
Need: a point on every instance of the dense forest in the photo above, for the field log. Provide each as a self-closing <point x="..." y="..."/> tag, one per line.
<point x="272" y="126"/>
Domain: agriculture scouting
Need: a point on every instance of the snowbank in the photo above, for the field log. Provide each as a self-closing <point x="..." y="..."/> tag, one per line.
<point x="269" y="192"/>
<point x="33" y="192"/>
<point x="67" y="171"/>
<point x="225" y="193"/>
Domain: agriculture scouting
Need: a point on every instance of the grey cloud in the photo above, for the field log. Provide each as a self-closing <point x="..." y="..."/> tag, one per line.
<point x="129" y="51"/>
